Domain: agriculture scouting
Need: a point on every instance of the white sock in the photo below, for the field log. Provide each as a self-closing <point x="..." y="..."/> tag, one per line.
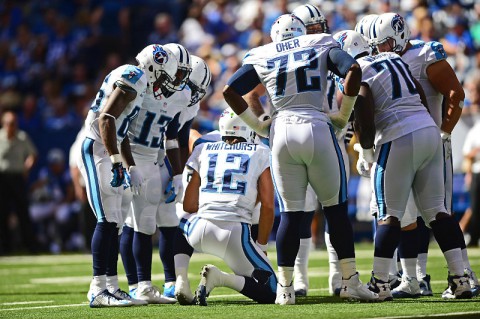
<point x="335" y="273"/>
<point x="285" y="275"/>
<point x="422" y="265"/>
<point x="98" y="284"/>
<point x="466" y="261"/>
<point x="142" y="285"/>
<point x="454" y="261"/>
<point x="409" y="266"/>
<point x="112" y="283"/>
<point x="233" y="281"/>
<point x="301" y="263"/>
<point x="182" y="261"/>
<point x="348" y="267"/>
<point x="380" y="268"/>
<point x="393" y="270"/>
<point x="131" y="287"/>
<point x="169" y="284"/>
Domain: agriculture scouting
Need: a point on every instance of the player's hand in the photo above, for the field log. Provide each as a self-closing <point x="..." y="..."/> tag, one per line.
<point x="174" y="189"/>
<point x="264" y="129"/>
<point x="262" y="247"/>
<point x="365" y="158"/>
<point x="118" y="175"/>
<point x="135" y="179"/>
<point x="447" y="144"/>
<point x="363" y="167"/>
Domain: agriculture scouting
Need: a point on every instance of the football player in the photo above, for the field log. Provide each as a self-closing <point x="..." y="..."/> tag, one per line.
<point x="392" y="115"/>
<point x="156" y="119"/>
<point x="294" y="68"/>
<point x="228" y="178"/>
<point x="427" y="63"/>
<point x="106" y="149"/>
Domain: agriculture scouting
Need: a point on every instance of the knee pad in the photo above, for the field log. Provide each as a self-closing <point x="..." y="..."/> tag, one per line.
<point x="167" y="215"/>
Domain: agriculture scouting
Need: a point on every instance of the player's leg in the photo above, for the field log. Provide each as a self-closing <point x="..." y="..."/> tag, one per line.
<point x="300" y="271"/>
<point x="253" y="275"/>
<point x="431" y="202"/>
<point x="423" y="243"/>
<point x="106" y="204"/>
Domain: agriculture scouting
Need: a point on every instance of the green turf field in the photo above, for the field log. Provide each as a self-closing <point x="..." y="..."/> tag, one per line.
<point x="56" y="287"/>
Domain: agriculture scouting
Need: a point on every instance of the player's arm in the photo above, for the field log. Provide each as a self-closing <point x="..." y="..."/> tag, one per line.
<point x="190" y="202"/>
<point x="241" y="83"/>
<point x="192" y="138"/>
<point x="364" y="123"/>
<point x="116" y="104"/>
<point x="172" y="146"/>
<point x="444" y="80"/>
<point x="126" y="152"/>
<point x="344" y="66"/>
<point x="183" y="142"/>
<point x="253" y="99"/>
<point x="267" y="215"/>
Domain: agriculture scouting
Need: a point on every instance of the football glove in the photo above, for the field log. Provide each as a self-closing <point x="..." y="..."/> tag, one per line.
<point x="118" y="175"/>
<point x="365" y="158"/>
<point x="447" y="144"/>
<point x="134" y="179"/>
<point x="174" y="189"/>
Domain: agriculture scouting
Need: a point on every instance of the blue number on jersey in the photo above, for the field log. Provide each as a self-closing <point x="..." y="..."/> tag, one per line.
<point x="304" y="83"/>
<point x="100" y="95"/>
<point x="145" y="131"/>
<point x="395" y="66"/>
<point x="226" y="186"/>
<point x="122" y="131"/>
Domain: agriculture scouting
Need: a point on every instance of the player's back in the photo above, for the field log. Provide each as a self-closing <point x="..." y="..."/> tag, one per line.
<point x="419" y="57"/>
<point x="229" y="177"/>
<point x="129" y="75"/>
<point x="294" y="71"/>
<point x="398" y="107"/>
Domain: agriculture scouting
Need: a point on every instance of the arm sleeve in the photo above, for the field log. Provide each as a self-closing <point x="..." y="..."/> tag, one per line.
<point x="184" y="134"/>
<point x="244" y="80"/>
<point x="172" y="128"/>
<point x="339" y="62"/>
<point x="193" y="160"/>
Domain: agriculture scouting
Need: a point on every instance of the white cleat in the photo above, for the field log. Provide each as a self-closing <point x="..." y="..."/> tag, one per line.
<point x="106" y="299"/>
<point x="300" y="281"/>
<point x="334" y="283"/>
<point x="120" y="294"/>
<point x="458" y="288"/>
<point x="285" y="295"/>
<point x="382" y="288"/>
<point x="211" y="277"/>
<point x="183" y="293"/>
<point x="354" y="289"/>
<point x="408" y="288"/>
<point x="152" y="295"/>
<point x="473" y="280"/>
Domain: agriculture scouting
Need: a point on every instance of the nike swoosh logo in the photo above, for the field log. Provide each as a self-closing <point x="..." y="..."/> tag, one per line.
<point x="155" y="163"/>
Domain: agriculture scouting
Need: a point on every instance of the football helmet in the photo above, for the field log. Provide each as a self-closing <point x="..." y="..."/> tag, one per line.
<point x="199" y="79"/>
<point x="230" y="124"/>
<point x="159" y="65"/>
<point x="352" y="42"/>
<point x="184" y="66"/>
<point x="312" y="17"/>
<point x="390" y="26"/>
<point x="365" y="25"/>
<point x="286" y="27"/>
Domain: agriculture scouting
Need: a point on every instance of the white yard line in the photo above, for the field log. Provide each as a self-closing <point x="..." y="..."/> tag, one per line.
<point x="25" y="302"/>
<point x="45" y="307"/>
<point x="439" y="315"/>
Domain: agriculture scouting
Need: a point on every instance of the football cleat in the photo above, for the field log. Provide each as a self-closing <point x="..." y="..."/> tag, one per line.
<point x="153" y="296"/>
<point x="300" y="281"/>
<point x="334" y="283"/>
<point x="211" y="277"/>
<point x="354" y="289"/>
<point x="106" y="299"/>
<point x="183" y="293"/>
<point x="120" y="294"/>
<point x="394" y="280"/>
<point x="408" y="288"/>
<point x="425" y="288"/>
<point x="458" y="288"/>
<point x="169" y="291"/>
<point x="473" y="280"/>
<point x="285" y="295"/>
<point x="382" y="288"/>
<point x="300" y="293"/>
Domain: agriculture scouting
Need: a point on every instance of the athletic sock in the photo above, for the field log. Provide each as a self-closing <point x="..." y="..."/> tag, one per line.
<point x="142" y="250"/>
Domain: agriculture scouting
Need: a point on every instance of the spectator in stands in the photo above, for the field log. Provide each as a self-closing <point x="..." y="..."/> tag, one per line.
<point x="17" y="156"/>
<point x="164" y="31"/>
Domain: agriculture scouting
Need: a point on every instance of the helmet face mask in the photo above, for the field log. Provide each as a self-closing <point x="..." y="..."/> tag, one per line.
<point x="184" y="67"/>
<point x="199" y="79"/>
<point x="159" y="65"/>
<point x="231" y="125"/>
<point x="313" y="19"/>
<point x="287" y="26"/>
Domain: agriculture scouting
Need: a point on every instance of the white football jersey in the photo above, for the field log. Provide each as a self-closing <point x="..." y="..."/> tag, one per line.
<point x="147" y="130"/>
<point x="130" y="75"/>
<point x="229" y="177"/>
<point x="398" y="108"/>
<point x="294" y="72"/>
<point x="419" y="57"/>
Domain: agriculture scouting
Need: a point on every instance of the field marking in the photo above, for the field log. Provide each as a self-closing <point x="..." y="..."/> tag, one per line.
<point x="436" y="315"/>
<point x="45" y="307"/>
<point x="24" y="302"/>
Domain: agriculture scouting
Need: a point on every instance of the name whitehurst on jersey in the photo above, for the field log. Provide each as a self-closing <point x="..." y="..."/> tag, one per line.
<point x="235" y="147"/>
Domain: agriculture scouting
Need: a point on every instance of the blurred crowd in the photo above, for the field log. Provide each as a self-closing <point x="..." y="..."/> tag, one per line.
<point x="54" y="55"/>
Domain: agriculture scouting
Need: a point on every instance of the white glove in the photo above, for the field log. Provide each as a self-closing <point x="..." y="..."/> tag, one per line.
<point x="136" y="179"/>
<point x="447" y="144"/>
<point x="178" y="185"/>
<point x="365" y="158"/>
<point x="174" y="190"/>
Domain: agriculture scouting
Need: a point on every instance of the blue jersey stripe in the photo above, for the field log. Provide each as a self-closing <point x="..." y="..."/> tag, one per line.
<point x="281" y="205"/>
<point x="93" y="186"/>
<point x="342" y="196"/>
<point x="379" y="179"/>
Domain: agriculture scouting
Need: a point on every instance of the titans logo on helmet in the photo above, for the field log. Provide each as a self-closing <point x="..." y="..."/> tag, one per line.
<point x="398" y="24"/>
<point x="160" y="56"/>
<point x="342" y="39"/>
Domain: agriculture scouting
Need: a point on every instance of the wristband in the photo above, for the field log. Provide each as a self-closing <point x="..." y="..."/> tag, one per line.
<point x="116" y="158"/>
<point x="171" y="144"/>
<point x="262" y="247"/>
<point x="131" y="168"/>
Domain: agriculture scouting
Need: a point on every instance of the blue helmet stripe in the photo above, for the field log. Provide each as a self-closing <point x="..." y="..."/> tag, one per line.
<point x="310" y="10"/>
<point x="181" y="54"/>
